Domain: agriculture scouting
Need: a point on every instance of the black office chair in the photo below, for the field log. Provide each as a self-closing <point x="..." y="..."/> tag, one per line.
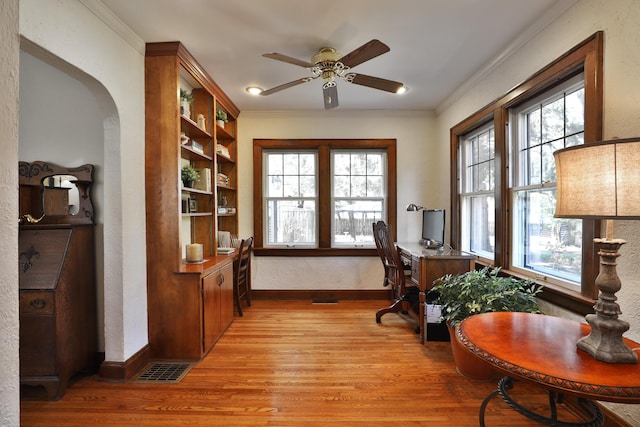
<point x="403" y="294"/>
<point x="242" y="275"/>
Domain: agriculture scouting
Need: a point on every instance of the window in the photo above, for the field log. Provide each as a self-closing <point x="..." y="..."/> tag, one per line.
<point x="359" y="190"/>
<point x="503" y="201"/>
<point x="477" y="192"/>
<point x="541" y="243"/>
<point x="291" y="198"/>
<point x="322" y="196"/>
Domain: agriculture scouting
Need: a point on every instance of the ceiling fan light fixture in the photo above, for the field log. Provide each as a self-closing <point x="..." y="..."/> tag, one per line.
<point x="330" y="66"/>
<point x="254" y="90"/>
<point x="326" y="54"/>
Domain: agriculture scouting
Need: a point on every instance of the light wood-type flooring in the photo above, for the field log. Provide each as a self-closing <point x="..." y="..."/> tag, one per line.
<point x="295" y="363"/>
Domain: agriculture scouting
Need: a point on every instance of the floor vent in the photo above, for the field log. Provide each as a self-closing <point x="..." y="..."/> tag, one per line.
<point x="162" y="372"/>
<point x="324" y="301"/>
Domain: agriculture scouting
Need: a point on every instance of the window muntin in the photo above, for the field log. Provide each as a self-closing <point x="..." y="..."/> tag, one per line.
<point x="477" y="192"/>
<point x="358" y="195"/>
<point x="541" y="244"/>
<point x="290" y="198"/>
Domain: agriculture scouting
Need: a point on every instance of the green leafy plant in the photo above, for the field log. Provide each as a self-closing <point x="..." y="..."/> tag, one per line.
<point x="221" y="115"/>
<point x="187" y="96"/>
<point x="482" y="291"/>
<point x="188" y="173"/>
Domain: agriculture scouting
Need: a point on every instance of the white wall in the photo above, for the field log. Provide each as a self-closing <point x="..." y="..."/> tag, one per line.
<point x="61" y="122"/>
<point x="419" y="181"/>
<point x="114" y="70"/>
<point x="618" y="19"/>
<point x="9" y="361"/>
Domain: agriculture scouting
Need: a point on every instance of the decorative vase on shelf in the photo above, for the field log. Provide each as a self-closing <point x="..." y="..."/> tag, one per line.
<point x="202" y="124"/>
<point x="185" y="108"/>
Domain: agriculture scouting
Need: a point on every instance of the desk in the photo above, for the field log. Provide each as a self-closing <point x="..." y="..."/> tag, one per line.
<point x="542" y="349"/>
<point x="428" y="265"/>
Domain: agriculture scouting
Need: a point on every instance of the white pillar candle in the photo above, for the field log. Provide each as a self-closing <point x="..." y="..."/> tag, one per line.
<point x="194" y="252"/>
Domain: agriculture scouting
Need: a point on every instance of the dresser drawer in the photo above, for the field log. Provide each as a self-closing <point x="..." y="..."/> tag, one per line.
<point x="36" y="302"/>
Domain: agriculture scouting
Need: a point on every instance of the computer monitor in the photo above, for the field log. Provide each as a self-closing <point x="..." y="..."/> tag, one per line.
<point x="433" y="227"/>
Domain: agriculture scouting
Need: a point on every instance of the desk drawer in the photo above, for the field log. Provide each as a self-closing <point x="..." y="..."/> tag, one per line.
<point x="415" y="270"/>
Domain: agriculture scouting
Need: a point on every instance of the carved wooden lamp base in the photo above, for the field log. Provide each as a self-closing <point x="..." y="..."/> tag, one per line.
<point x="605" y="341"/>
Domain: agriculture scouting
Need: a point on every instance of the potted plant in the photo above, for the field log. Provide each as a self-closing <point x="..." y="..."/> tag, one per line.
<point x="189" y="176"/>
<point x="221" y="117"/>
<point x="480" y="291"/>
<point x="186" y="98"/>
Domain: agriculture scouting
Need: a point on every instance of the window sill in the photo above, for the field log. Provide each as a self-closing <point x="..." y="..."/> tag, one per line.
<point x="562" y="297"/>
<point x="315" y="252"/>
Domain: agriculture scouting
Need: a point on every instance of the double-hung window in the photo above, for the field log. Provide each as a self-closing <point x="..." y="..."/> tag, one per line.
<point x="477" y="192"/>
<point x="291" y="198"/>
<point x="359" y="195"/>
<point x="543" y="244"/>
<point x="322" y="196"/>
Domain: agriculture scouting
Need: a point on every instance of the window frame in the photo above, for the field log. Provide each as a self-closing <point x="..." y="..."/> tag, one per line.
<point x="272" y="198"/>
<point x="520" y="184"/>
<point x="587" y="58"/>
<point x="466" y="193"/>
<point x="382" y="198"/>
<point x="323" y="147"/>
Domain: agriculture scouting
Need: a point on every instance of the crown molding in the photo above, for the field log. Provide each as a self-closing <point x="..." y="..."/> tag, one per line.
<point x="536" y="28"/>
<point x="112" y="21"/>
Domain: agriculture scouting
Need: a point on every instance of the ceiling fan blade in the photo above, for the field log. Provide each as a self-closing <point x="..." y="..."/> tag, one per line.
<point x="330" y="96"/>
<point x="288" y="59"/>
<point x="364" y="53"/>
<point x="376" y="83"/>
<point x="286" y="85"/>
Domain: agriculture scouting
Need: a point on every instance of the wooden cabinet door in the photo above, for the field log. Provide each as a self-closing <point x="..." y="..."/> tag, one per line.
<point x="217" y="305"/>
<point x="226" y="298"/>
<point x="210" y="310"/>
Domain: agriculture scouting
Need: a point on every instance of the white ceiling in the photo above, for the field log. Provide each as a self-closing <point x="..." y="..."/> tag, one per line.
<point x="436" y="45"/>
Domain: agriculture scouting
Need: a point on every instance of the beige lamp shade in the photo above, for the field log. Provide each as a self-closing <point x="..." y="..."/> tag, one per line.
<point x="599" y="180"/>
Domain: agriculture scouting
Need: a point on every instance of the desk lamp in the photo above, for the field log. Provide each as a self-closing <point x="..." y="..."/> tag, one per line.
<point x="412" y="207"/>
<point x="600" y="180"/>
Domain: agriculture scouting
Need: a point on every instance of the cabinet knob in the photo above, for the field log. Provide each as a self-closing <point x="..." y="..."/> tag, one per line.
<point x="38" y="303"/>
<point x="220" y="279"/>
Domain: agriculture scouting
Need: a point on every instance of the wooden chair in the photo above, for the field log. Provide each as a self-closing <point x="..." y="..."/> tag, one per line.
<point x="242" y="275"/>
<point x="394" y="271"/>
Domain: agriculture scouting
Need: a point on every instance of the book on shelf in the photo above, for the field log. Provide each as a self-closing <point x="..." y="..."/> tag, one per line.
<point x="204" y="183"/>
<point x="222" y="179"/>
<point x="221" y="149"/>
<point x="226" y="210"/>
<point x="197" y="147"/>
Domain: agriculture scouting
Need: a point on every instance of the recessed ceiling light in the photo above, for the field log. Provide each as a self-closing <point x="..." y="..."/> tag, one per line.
<point x="254" y="90"/>
<point x="401" y="90"/>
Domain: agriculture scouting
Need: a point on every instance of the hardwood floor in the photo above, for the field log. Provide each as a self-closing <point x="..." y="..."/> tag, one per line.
<point x="294" y="363"/>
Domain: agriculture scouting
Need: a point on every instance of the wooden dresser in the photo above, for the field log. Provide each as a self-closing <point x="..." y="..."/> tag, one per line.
<point x="58" y="319"/>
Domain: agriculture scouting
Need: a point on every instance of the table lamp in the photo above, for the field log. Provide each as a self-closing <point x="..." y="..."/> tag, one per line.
<point x="600" y="180"/>
<point x="412" y="207"/>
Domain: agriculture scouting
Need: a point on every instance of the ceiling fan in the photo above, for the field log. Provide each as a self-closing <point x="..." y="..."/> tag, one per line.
<point x="330" y="65"/>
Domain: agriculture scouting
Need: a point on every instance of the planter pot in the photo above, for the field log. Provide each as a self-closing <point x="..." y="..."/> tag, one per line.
<point x="187" y="184"/>
<point x="467" y="364"/>
<point x="220" y="123"/>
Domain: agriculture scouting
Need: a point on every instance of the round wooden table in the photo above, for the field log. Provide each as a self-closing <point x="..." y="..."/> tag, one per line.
<point x="542" y="349"/>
